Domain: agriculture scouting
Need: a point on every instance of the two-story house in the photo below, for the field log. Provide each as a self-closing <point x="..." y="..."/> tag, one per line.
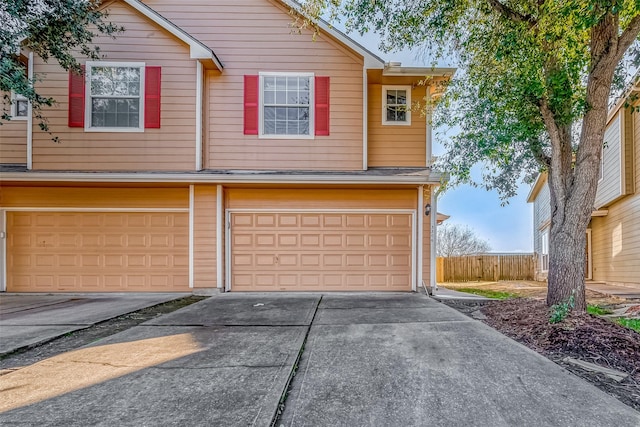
<point x="211" y="148"/>
<point x="613" y="235"/>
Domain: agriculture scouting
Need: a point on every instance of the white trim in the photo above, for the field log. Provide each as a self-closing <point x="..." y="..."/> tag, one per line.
<point x="365" y="119"/>
<point x="223" y="178"/>
<point x="373" y="211"/>
<point x="412" y="212"/>
<point x="30" y="119"/>
<point x="429" y="130"/>
<point x="589" y="266"/>
<point x="89" y="65"/>
<point x="98" y="209"/>
<point x="414" y="251"/>
<point x="3" y="251"/>
<point x="546" y="231"/>
<point x="433" y="237"/>
<point x="621" y="139"/>
<point x="219" y="233"/>
<point x="420" y="239"/>
<point x="227" y="245"/>
<point x="191" y="232"/>
<point x="391" y="70"/>
<point x="197" y="49"/>
<point x="199" y="84"/>
<point x="406" y="88"/>
<point x="312" y="97"/>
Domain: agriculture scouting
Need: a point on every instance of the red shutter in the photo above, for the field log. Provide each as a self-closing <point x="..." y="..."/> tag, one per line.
<point x="322" y="105"/>
<point x="251" y="89"/>
<point x="152" y="79"/>
<point x="76" y="99"/>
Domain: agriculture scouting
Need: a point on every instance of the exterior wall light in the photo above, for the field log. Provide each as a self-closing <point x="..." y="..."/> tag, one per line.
<point x="427" y="210"/>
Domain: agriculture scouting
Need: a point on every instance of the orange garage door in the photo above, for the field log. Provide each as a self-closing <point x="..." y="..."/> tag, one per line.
<point x="97" y="252"/>
<point x="321" y="251"/>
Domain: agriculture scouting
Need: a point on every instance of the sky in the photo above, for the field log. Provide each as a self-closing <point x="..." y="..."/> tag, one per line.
<point x="506" y="228"/>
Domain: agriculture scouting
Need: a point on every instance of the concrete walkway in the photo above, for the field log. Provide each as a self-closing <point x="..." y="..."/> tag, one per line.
<point x="627" y="292"/>
<point x="364" y="360"/>
<point x="30" y="319"/>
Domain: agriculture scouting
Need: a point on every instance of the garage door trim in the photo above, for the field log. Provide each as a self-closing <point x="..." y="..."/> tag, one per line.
<point x="412" y="212"/>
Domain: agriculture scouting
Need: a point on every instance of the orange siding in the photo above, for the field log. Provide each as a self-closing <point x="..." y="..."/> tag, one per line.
<point x="252" y="36"/>
<point x="396" y="145"/>
<point x="204" y="236"/>
<point x="172" y="147"/>
<point x="320" y="199"/>
<point x="13" y="142"/>
<point x="64" y="197"/>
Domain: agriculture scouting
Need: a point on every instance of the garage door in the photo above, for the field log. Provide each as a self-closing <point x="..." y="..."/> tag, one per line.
<point x="97" y="252"/>
<point x="321" y="251"/>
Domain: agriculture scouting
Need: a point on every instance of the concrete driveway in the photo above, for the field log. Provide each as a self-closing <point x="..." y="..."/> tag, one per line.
<point x="364" y="360"/>
<point x="30" y="319"/>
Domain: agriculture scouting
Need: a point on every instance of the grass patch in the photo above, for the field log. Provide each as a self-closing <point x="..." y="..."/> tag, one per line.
<point x="488" y="293"/>
<point x="629" y="323"/>
<point x="596" y="310"/>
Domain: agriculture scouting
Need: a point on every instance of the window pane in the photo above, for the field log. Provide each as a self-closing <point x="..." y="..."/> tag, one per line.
<point x="115" y="81"/>
<point x="22" y="108"/>
<point x="124" y="113"/>
<point x="391" y="97"/>
<point x="281" y="97"/>
<point x="401" y="97"/>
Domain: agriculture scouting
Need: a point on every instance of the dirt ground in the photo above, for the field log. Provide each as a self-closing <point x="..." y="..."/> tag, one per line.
<point x="583" y="337"/>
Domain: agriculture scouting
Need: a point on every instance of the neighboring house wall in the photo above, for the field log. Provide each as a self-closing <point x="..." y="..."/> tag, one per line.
<point x="541" y="220"/>
<point x="395" y="145"/>
<point x="172" y="147"/>
<point x="616" y="236"/>
<point x="255" y="36"/>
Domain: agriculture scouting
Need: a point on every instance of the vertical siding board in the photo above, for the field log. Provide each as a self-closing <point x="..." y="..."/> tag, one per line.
<point x="205" y="266"/>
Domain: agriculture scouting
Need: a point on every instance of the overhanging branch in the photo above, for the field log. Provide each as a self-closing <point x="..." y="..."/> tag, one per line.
<point x="511" y="14"/>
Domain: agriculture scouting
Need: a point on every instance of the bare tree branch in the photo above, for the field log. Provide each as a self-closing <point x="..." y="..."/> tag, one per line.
<point x="511" y="14"/>
<point x="628" y="36"/>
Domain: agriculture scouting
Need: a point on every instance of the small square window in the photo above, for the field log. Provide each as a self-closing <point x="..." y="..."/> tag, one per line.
<point x="396" y="105"/>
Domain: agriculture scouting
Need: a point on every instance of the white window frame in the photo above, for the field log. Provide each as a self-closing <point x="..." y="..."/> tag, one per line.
<point x="386" y="122"/>
<point x="14" y="106"/>
<point x="312" y="105"/>
<point x="88" y="103"/>
<point x="544" y="250"/>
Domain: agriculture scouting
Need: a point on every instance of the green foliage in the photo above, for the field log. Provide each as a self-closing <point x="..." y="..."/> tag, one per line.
<point x="559" y="312"/>
<point x="51" y="29"/>
<point x="514" y="56"/>
<point x="596" y="310"/>
<point x="488" y="293"/>
<point x="629" y="323"/>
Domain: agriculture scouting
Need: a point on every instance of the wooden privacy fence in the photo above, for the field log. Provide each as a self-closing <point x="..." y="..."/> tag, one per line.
<point x="485" y="268"/>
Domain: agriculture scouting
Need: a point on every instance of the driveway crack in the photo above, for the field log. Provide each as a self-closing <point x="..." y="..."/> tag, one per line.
<point x="294" y="370"/>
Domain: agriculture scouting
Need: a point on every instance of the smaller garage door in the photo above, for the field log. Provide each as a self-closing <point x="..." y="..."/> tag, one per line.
<point x="97" y="252"/>
<point x="343" y="251"/>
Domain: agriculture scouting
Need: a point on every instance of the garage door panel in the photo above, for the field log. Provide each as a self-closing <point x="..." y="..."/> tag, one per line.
<point x="319" y="251"/>
<point x="97" y="251"/>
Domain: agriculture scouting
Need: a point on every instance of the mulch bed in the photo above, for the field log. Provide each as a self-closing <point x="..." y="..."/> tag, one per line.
<point x="580" y="336"/>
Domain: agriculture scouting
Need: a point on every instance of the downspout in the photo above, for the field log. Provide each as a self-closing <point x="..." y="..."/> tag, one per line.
<point x="30" y="118"/>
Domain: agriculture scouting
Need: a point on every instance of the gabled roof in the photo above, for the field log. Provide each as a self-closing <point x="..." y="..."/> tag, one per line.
<point x="371" y="60"/>
<point x="541" y="180"/>
<point x="197" y="49"/>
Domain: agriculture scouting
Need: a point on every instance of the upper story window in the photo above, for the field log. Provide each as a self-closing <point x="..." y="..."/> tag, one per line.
<point x="396" y="105"/>
<point x="115" y="96"/>
<point x="286" y="105"/>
